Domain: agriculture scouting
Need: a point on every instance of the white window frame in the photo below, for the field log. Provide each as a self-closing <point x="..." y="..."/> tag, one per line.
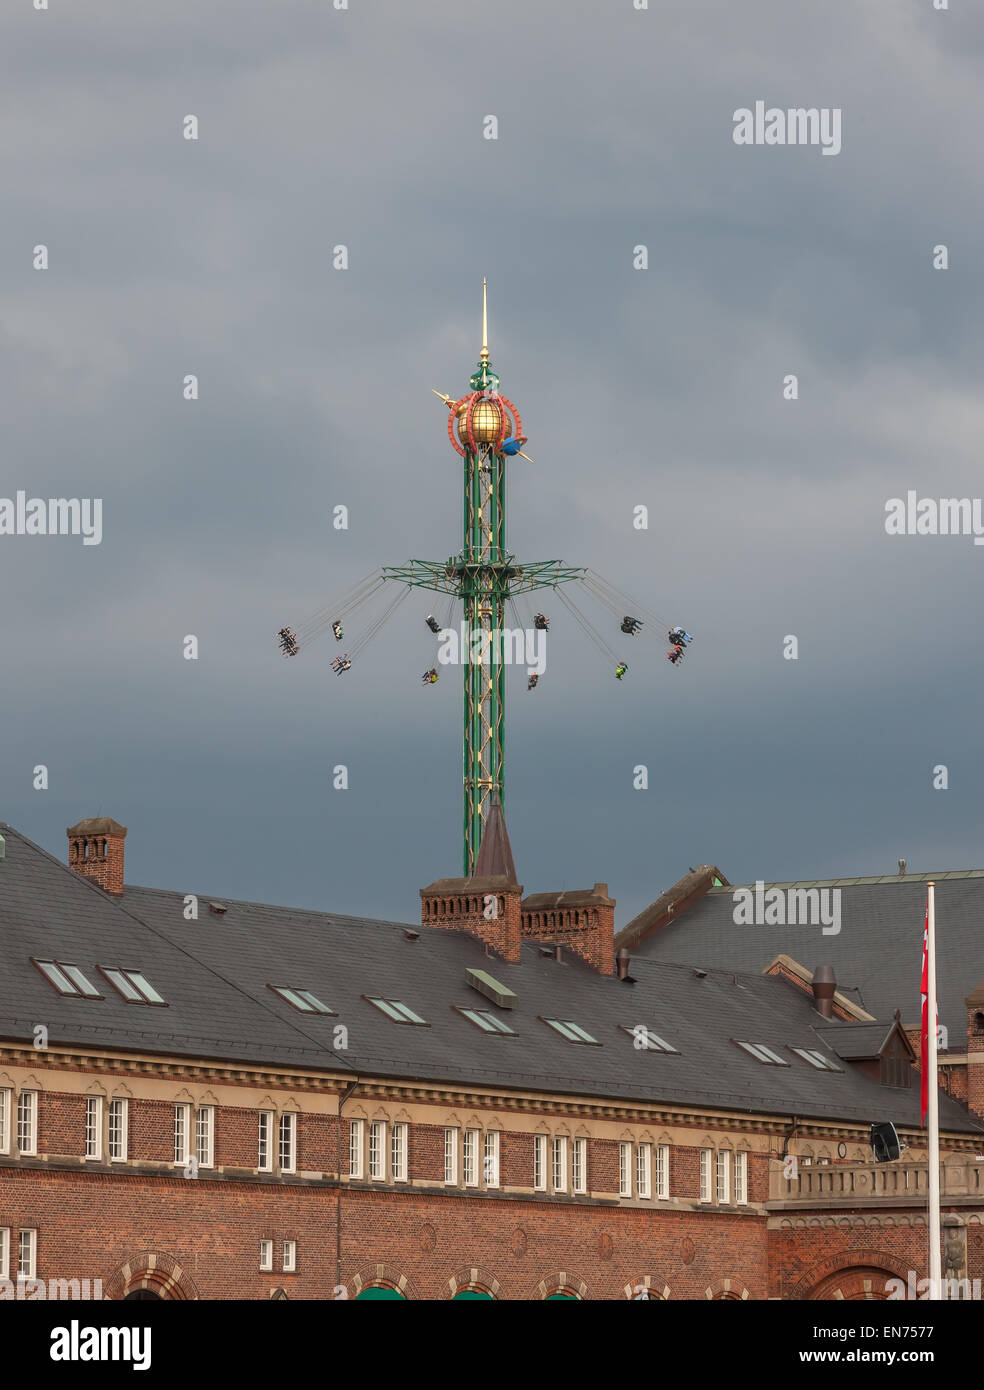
<point x="722" y="1178"/>
<point x="579" y="1167"/>
<point x="27" y="1254"/>
<point x="4" y="1252"/>
<point x="118" y="1129"/>
<point x="377" y="1150"/>
<point x="264" y="1145"/>
<point x="205" y="1136"/>
<point x="624" y="1168"/>
<point x="287" y="1142"/>
<point x="450" y="1156"/>
<point x="6" y="1109"/>
<point x="266" y="1256"/>
<point x="558" y="1163"/>
<point x="289" y="1252"/>
<point x="662" y="1172"/>
<point x="94" y="1128"/>
<point x="539" y="1163"/>
<point x="27" y="1123"/>
<point x="398" y="1152"/>
<point x="761" y="1053"/>
<point x="182" y="1133"/>
<point x="741" y="1178"/>
<point x="706" y="1157"/>
<point x="357" y="1140"/>
<point x="644" y="1171"/>
<point x="469" y="1157"/>
<point x="491" y="1163"/>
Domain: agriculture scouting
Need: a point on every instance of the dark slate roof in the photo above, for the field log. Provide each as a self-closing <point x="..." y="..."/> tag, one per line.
<point x="857" y="1041"/>
<point x="877" y="955"/>
<point x="49" y="912"/>
<point x="215" y="974"/>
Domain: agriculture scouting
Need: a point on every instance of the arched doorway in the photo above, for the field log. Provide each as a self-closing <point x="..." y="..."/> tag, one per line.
<point x="861" y="1282"/>
<point x="156" y="1275"/>
<point x="380" y="1291"/>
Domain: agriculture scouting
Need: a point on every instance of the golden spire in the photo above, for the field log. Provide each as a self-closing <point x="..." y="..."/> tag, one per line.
<point x="485" y="325"/>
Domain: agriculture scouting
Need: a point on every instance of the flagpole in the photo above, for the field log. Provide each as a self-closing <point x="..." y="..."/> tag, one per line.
<point x="933" y="1134"/>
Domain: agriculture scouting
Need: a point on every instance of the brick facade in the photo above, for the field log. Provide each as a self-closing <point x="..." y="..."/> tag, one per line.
<point x="145" y="1224"/>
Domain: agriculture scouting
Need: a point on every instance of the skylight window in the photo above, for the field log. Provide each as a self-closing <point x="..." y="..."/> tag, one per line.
<point x="133" y="985"/>
<point x="820" y="1060"/>
<point x="302" y="999"/>
<point x="761" y="1053"/>
<point x="399" y="1013"/>
<point x="647" y="1041"/>
<point x="67" y="979"/>
<point x="488" y="1022"/>
<point x="147" y="990"/>
<point x="573" y="1032"/>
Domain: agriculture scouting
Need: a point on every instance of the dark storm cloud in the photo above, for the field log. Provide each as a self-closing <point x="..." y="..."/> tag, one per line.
<point x="662" y="387"/>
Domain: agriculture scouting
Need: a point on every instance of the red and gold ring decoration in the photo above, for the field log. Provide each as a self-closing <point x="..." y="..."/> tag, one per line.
<point x="463" y="415"/>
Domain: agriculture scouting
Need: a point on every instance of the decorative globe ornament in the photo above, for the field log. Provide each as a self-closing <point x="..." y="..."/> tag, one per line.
<point x="482" y="420"/>
<point x="486" y="420"/>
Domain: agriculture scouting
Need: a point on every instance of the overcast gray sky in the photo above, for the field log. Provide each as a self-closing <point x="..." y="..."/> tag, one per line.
<point x="364" y="127"/>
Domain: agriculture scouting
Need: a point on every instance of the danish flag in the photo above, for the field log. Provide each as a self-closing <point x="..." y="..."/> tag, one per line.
<point x="924" y="1073"/>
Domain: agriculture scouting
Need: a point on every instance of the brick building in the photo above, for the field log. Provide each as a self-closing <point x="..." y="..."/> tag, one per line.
<point x="876" y="953"/>
<point x="220" y="1099"/>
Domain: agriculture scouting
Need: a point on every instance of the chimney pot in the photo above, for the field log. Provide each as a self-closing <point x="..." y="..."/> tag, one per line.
<point x="824" y="987"/>
<point x="622" y="960"/>
<point x="901" y="867"/>
<point x="558" y="953"/>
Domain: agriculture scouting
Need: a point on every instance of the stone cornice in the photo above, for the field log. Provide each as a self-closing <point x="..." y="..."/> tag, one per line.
<point x="514" y="1101"/>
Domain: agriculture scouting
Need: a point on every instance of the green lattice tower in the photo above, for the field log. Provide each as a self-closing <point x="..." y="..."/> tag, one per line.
<point x="483" y="576"/>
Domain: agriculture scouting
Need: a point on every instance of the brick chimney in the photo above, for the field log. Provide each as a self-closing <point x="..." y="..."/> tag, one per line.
<point x="95" y="850"/>
<point x="491" y="906"/>
<point x="975" y="1050"/>
<point x="488" y="905"/>
<point x="581" y="919"/>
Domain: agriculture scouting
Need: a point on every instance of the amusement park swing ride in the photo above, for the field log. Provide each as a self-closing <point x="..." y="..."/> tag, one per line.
<point x="485" y="430"/>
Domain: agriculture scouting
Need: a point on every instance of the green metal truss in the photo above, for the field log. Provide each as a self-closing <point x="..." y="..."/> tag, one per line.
<point x="483" y="576"/>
